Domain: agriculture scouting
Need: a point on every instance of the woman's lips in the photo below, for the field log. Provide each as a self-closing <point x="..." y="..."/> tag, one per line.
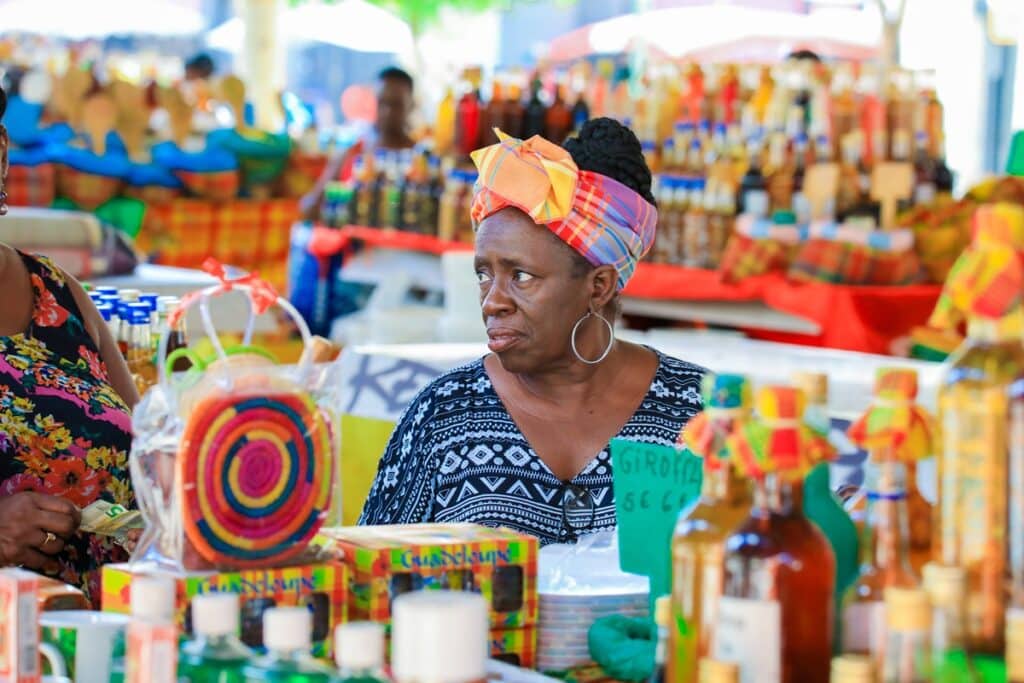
<point x="499" y="341"/>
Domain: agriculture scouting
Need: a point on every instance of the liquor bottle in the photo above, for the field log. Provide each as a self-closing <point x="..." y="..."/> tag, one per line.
<point x="534" y="116"/>
<point x="908" y="649"/>
<point x="695" y="227"/>
<point x="468" y="114"/>
<point x="698" y="544"/>
<point x="820" y="503"/>
<point x="558" y="119"/>
<point x="444" y="126"/>
<point x="663" y="620"/>
<point x="215" y="655"/>
<point x="287" y="634"/>
<point x="947" y="589"/>
<point x="152" y="639"/>
<point x="515" y="112"/>
<point x="895" y="427"/>
<point x="885" y="563"/>
<point x="359" y="653"/>
<point x="492" y="116"/>
<point x="580" y="112"/>
<point x="775" y="616"/>
<point x="853" y="669"/>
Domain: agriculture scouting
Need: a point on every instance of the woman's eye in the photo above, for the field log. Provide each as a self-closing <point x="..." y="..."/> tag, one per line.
<point x="522" y="276"/>
<point x="482" y="277"/>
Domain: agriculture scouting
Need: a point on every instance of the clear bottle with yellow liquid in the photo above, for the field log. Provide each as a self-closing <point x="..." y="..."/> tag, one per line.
<point x="698" y="545"/>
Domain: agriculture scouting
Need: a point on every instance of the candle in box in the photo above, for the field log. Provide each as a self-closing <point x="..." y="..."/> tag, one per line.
<point x="19" y="627"/>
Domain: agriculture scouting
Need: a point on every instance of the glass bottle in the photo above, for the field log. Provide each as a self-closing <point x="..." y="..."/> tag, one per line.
<point x="444" y="126"/>
<point x="908" y="650"/>
<point x="515" y="112"/>
<point x="558" y="119"/>
<point x="853" y="669"/>
<point x="468" y="113"/>
<point x="140" y="346"/>
<point x="695" y="228"/>
<point x="698" y="543"/>
<point x="946" y="587"/>
<point x="663" y="620"/>
<point x="359" y="653"/>
<point x="885" y="560"/>
<point x="216" y="655"/>
<point x="287" y="634"/>
<point x="533" y="116"/>
<point x="152" y="639"/>
<point x="775" y="616"/>
<point x="980" y="503"/>
<point x="448" y="207"/>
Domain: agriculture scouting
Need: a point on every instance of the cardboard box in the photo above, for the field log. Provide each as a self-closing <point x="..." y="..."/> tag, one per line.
<point x="517" y="647"/>
<point x="322" y="587"/>
<point x="386" y="561"/>
<point x="19" y="627"/>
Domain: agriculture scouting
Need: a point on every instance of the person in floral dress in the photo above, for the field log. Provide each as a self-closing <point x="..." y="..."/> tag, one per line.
<point x="65" y="421"/>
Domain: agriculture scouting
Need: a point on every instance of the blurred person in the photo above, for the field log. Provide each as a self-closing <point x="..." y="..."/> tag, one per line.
<point x="65" y="421"/>
<point x="391" y="131"/>
<point x="521" y="437"/>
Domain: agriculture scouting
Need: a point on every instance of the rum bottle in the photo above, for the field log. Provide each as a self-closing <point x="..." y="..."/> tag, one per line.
<point x="698" y="545"/>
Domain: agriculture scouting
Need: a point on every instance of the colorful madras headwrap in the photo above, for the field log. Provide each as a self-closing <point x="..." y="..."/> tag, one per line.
<point x="602" y="219"/>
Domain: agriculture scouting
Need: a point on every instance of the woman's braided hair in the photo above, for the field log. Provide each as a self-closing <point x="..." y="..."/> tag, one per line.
<point x="607" y="147"/>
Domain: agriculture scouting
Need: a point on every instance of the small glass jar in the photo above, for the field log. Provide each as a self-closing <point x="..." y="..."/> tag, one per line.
<point x="908" y="646"/>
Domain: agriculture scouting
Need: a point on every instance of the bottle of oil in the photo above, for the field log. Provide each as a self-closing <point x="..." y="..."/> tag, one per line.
<point x="698" y="545"/>
<point x="775" y="616"/>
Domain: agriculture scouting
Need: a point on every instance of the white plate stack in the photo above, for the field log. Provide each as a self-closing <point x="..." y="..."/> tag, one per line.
<point x="566" y="618"/>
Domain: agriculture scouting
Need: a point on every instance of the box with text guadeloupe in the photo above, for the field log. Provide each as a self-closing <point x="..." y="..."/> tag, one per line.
<point x="386" y="561"/>
<point x="323" y="588"/>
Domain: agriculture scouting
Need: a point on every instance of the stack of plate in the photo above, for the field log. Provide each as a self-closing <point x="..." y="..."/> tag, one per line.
<point x="566" y="618"/>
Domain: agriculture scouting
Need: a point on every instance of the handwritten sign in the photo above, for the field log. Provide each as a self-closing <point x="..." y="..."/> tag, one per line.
<point x="652" y="484"/>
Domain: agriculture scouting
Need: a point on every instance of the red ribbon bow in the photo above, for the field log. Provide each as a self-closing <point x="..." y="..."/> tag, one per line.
<point x="261" y="293"/>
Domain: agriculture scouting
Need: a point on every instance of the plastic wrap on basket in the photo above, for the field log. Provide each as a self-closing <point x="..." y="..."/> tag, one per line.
<point x="234" y="462"/>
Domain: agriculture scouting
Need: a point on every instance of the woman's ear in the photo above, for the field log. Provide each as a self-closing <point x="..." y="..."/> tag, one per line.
<point x="604" y="282"/>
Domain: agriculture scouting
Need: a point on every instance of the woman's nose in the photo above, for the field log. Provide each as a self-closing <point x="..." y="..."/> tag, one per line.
<point x="495" y="300"/>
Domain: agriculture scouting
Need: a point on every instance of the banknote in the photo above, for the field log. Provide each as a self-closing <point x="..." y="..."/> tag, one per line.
<point x="110" y="519"/>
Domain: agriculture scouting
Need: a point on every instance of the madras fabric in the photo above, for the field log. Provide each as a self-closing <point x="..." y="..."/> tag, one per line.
<point x="746" y="257"/>
<point x="727" y="400"/>
<point x="602" y="219"/>
<point x="252" y="235"/>
<point x="854" y="264"/>
<point x="152" y="194"/>
<point x="87" y="190"/>
<point x="31" y="185"/>
<point x="218" y="185"/>
<point x="894" y="426"/>
<point x="987" y="281"/>
<point x="778" y="440"/>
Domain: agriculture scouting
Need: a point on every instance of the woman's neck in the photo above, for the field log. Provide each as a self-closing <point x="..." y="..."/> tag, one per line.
<point x="572" y="381"/>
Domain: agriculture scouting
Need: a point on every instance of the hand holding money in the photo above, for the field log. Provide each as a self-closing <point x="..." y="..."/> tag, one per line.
<point x="110" y="519"/>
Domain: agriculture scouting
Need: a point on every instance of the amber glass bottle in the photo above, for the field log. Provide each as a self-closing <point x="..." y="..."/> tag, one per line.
<point x="775" y="616"/>
<point x="698" y="546"/>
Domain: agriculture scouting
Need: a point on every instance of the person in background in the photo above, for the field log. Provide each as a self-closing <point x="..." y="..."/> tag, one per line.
<point x="65" y="421"/>
<point x="520" y="438"/>
<point x="200" y="68"/>
<point x="395" y="105"/>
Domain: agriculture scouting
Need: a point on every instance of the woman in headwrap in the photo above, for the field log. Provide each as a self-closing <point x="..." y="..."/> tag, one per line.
<point x="520" y="438"/>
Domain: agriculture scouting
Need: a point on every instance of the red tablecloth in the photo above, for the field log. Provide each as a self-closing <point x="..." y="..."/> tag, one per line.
<point x="854" y="318"/>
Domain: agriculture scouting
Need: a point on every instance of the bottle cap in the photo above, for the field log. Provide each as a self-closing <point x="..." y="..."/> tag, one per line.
<point x="716" y="671"/>
<point x="105" y="290"/>
<point x="908" y="609"/>
<point x="288" y="629"/>
<point x="814" y="386"/>
<point x="359" y="646"/>
<point x="129" y="294"/>
<point x="105" y="310"/>
<point x="215" y="614"/>
<point x="663" y="611"/>
<point x="945" y="585"/>
<point x="440" y="636"/>
<point x="150" y="299"/>
<point x="853" y="669"/>
<point x="153" y="598"/>
<point x="165" y="304"/>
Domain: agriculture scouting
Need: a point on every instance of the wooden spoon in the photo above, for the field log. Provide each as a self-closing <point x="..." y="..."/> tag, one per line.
<point x="821" y="184"/>
<point x="891" y="182"/>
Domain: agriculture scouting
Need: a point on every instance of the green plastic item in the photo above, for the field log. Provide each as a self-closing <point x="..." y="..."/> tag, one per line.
<point x="124" y="213"/>
<point x="217" y="659"/>
<point x="823" y="508"/>
<point x="1015" y="163"/>
<point x="624" y="647"/>
<point x="201" y="363"/>
<point x="784" y="217"/>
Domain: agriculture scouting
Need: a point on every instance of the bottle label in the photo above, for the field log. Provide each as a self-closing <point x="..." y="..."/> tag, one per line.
<point x="864" y="627"/>
<point x="749" y="633"/>
<point x="151" y="655"/>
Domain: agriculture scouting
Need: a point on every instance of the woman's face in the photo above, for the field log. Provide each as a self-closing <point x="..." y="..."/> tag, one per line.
<point x="530" y="295"/>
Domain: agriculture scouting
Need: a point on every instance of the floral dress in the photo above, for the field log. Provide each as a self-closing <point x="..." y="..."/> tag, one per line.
<point x="64" y="430"/>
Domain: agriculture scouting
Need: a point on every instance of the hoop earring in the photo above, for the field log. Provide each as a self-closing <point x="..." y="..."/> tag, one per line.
<point x="3" y="202"/>
<point x="611" y="339"/>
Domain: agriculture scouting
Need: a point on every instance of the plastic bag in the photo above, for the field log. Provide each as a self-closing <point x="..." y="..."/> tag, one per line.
<point x="588" y="567"/>
<point x="233" y="462"/>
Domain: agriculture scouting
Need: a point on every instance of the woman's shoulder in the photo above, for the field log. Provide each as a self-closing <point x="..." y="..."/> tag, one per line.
<point x="453" y="387"/>
<point x="677" y="385"/>
<point x="678" y="368"/>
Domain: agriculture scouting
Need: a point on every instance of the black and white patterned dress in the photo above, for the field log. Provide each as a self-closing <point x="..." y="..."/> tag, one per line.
<point x="457" y="456"/>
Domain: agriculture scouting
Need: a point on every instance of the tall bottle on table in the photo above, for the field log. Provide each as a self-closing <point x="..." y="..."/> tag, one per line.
<point x="698" y="545"/>
<point x="981" y="462"/>
<point x="152" y="638"/>
<point x="775" y="616"/>
<point x="215" y="655"/>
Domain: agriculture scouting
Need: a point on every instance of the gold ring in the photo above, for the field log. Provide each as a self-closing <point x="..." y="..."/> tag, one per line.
<point x="50" y="537"/>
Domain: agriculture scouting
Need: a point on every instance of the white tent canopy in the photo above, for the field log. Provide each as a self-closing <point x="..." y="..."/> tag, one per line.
<point x="353" y="24"/>
<point x="82" y="19"/>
